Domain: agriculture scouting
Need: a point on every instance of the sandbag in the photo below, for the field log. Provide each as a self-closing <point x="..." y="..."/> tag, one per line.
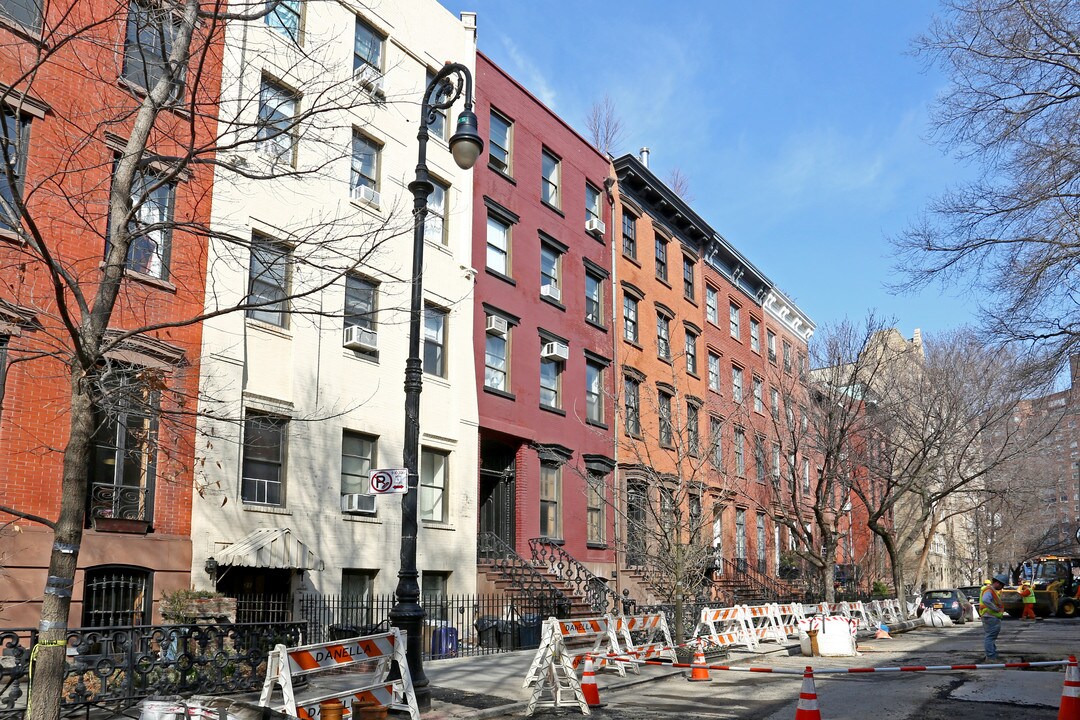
<point x="835" y="636"/>
<point x="936" y="618"/>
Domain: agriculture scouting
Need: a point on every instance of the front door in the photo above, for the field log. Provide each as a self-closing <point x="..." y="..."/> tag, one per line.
<point x="497" y="491"/>
<point x="636" y="515"/>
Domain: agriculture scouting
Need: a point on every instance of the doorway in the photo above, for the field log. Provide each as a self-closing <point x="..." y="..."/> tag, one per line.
<point x="498" y="487"/>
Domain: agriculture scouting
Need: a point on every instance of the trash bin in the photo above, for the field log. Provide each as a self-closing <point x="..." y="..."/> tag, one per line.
<point x="507" y="630"/>
<point x="528" y="631"/>
<point x="343" y="631"/>
<point x="444" y="642"/>
<point x="487" y="627"/>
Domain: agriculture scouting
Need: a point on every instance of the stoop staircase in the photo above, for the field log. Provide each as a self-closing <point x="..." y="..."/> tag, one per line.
<point x="529" y="583"/>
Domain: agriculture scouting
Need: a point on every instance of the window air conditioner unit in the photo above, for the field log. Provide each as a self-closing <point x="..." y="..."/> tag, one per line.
<point x="358" y="338"/>
<point x="496" y="326"/>
<point x="367" y="194"/>
<point x="595" y="227"/>
<point x="550" y="291"/>
<point x="555" y="351"/>
<point x="358" y="503"/>
<point x="370" y="79"/>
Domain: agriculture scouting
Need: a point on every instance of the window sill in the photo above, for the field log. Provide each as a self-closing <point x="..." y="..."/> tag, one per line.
<point x="496" y="274"/>
<point x="690" y="299"/>
<point x="553" y="541"/>
<point x="634" y="343"/>
<point x="11" y="236"/>
<point x="552" y="208"/>
<point x="500" y="393"/>
<point x="557" y="411"/>
<point x="663" y="282"/>
<point x="367" y="205"/>
<point x="596" y="546"/>
<point x="179" y="106"/>
<point x="633" y="436"/>
<point x="437" y="525"/>
<point x="268" y="328"/>
<point x="23" y="31"/>
<point x="150" y="280"/>
<point x="598" y="326"/>
<point x="371" y="356"/>
<point x="631" y="259"/>
<point x="554" y="302"/>
<point x="366" y="519"/>
<point x="693" y="374"/>
<point x="267" y="509"/>
<point x="666" y="446"/>
<point x="503" y="174"/>
<point x="665" y="360"/>
<point x="596" y="423"/>
<point x="437" y="380"/>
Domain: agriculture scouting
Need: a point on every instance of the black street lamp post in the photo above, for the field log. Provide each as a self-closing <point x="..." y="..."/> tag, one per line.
<point x="449" y="83"/>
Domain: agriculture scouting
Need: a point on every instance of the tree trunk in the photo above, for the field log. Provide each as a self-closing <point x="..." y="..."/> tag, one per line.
<point x="828" y="570"/>
<point x="51" y="654"/>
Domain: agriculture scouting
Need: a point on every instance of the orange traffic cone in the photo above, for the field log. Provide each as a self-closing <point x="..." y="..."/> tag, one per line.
<point x="1070" y="694"/>
<point x="588" y="685"/>
<point x="699" y="673"/>
<point x="807" y="708"/>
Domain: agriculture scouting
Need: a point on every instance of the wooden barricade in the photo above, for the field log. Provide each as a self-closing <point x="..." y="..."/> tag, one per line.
<point x="723" y="627"/>
<point x="655" y="637"/>
<point x="283" y="664"/>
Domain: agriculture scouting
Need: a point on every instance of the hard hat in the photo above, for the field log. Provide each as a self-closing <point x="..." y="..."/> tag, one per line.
<point x="1002" y="578"/>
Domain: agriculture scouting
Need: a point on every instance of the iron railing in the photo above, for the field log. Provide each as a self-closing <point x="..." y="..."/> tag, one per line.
<point x="115" y="667"/>
<point x="567" y="568"/>
<point x="122" y="502"/>
<point x="524" y="579"/>
<point x="264" y="608"/>
<point x="454" y="625"/>
<point x="739" y="570"/>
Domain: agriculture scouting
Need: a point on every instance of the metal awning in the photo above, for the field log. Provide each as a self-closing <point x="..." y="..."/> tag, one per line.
<point x="270" y="548"/>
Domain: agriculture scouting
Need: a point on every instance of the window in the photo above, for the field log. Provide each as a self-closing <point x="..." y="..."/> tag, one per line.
<point x="740" y="535"/>
<point x="759" y="457"/>
<point x="759" y="405"/>
<point x="806" y="475"/>
<point x="666" y="435"/>
<point x="736" y="383"/>
<point x="693" y="430"/>
<point x="549" y="181"/>
<point x="761" y="550"/>
<point x="498" y="246"/>
<point x="437" y="126"/>
<point x="663" y="336"/>
<point x="5" y="343"/>
<point x="691" y="353"/>
<point x="714" y="372"/>
<point x="594" y="503"/>
<point x="125" y="446"/>
<point x="435" y="341"/>
<point x="263" y="474"/>
<point x="594" y="298"/>
<point x="358" y="590"/>
<point x="435" y="224"/>
<point x="357" y="462"/>
<point x="367" y="48"/>
<point x="151" y="29"/>
<point x="629" y="235"/>
<point x="712" y="305"/>
<point x="630" y="318"/>
<point x="25" y="12"/>
<point x="276" y="135"/>
<point x="688" y="278"/>
<point x="740" y="449"/>
<point x="499" y="143"/>
<point x="15" y="140"/>
<point x="770" y="338"/>
<point x="496" y="366"/>
<point x="755" y="335"/>
<point x="268" y="282"/>
<point x="150" y="226"/>
<point x="716" y="428"/>
<point x="733" y="312"/>
<point x="787" y="357"/>
<point x="550" y="498"/>
<point x="776" y="461"/>
<point x="661" y="258"/>
<point x="632" y="406"/>
<point x="550" y="380"/>
<point x="284" y="17"/>
<point x="592" y="203"/>
<point x="550" y="271"/>
<point x="360" y="307"/>
<point x="774" y="403"/>
<point x="365" y="169"/>
<point x="594" y="392"/>
<point x="433" y="589"/>
<point x="116" y="597"/>
<point x="434" y="467"/>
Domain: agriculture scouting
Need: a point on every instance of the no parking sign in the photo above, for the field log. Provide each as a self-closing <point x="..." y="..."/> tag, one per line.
<point x="387" y="482"/>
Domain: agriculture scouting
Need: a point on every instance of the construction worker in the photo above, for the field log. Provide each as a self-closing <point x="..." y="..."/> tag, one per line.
<point x="991" y="611"/>
<point x="1027" y="596"/>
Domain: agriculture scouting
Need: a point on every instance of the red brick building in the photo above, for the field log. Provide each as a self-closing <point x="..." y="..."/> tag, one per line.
<point x="542" y="251"/>
<point x="65" y="120"/>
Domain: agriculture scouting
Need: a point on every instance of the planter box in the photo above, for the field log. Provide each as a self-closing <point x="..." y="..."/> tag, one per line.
<point x="121" y="525"/>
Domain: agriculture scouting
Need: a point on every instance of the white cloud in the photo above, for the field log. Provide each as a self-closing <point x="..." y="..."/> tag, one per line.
<point x="528" y="74"/>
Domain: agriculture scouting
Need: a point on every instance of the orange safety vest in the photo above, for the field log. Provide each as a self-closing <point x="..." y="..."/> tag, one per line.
<point x="984" y="609"/>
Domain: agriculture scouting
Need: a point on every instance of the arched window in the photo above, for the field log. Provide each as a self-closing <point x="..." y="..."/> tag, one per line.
<point x="116" y="595"/>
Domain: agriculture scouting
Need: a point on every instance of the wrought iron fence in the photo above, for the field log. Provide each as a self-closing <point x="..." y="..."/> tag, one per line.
<point x="264" y="608"/>
<point x="566" y="567"/>
<point x="454" y="625"/>
<point x="116" y="667"/>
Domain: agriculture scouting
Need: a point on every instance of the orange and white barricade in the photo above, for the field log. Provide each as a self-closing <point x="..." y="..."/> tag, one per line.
<point x="284" y="663"/>
<point x="861" y="613"/>
<point x="654" y="637"/>
<point x="788" y="616"/>
<point x="822" y="608"/>
<point x="574" y="639"/>
<point x="723" y="627"/>
<point x="763" y="623"/>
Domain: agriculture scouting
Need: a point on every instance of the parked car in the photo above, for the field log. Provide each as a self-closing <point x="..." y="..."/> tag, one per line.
<point x="953" y="603"/>
<point x="972" y="592"/>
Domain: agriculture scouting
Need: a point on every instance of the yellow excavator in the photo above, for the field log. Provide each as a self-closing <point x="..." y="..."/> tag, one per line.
<point x="1056" y="581"/>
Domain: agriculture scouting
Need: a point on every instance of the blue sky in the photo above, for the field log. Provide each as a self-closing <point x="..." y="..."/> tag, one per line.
<point x="803" y="127"/>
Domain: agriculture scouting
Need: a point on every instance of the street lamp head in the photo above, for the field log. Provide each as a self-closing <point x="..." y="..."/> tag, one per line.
<point x="466" y="143"/>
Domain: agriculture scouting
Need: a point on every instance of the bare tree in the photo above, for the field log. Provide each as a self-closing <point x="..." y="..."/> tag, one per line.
<point x="606" y="129"/>
<point x="679" y="183"/>
<point x="1011" y="106"/>
<point x="119" y="152"/>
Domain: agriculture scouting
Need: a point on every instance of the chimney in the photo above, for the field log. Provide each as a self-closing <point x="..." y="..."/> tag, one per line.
<point x="645" y="156"/>
<point x="468" y="19"/>
<point x="1074" y="370"/>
